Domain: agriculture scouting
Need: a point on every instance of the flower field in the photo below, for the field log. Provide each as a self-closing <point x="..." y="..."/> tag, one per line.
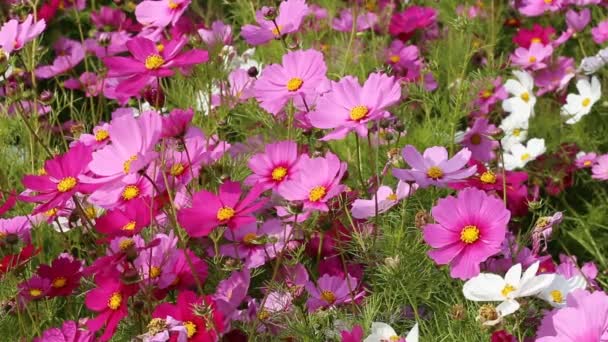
<point x="303" y="170"/>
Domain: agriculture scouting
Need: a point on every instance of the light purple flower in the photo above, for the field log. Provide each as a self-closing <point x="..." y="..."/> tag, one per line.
<point x="478" y="139"/>
<point x="386" y="199"/>
<point x="69" y="54"/>
<point x="577" y="21"/>
<point x="600" y="33"/>
<point x="14" y="35"/>
<point x="532" y="58"/>
<point x="289" y="18"/>
<point x="331" y="291"/>
<point x="344" y="22"/>
<point x="600" y="169"/>
<point x="585" y="160"/>
<point x="219" y="33"/>
<point x="69" y="332"/>
<point x="231" y="292"/>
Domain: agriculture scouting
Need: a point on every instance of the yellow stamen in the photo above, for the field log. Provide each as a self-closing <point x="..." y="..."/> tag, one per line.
<point x="190" y="328"/>
<point x="486" y="94"/>
<point x="155" y="272"/>
<point x="66" y="184"/>
<point x="102" y="135"/>
<point x="586" y="102"/>
<point x="160" y="47"/>
<point x="154" y="62"/>
<point x="525" y="96"/>
<point x="277" y="30"/>
<point x="177" y="169"/>
<point x="249" y="238"/>
<point x="130" y="192"/>
<point x="475" y="139"/>
<point x="317" y="193"/>
<point x="556" y="296"/>
<point x="358" y="113"/>
<point x="394" y="59"/>
<point x="59" y="282"/>
<point x="225" y="213"/>
<point x="392" y="197"/>
<point x="115" y="301"/>
<point x="328" y="296"/>
<point x="587" y="163"/>
<point x="506" y="290"/>
<point x="488" y="177"/>
<point x="279" y="173"/>
<point x="129" y="226"/>
<point x="172" y="5"/>
<point x="126" y="166"/>
<point x="126" y="244"/>
<point x="51" y="212"/>
<point x="35" y="292"/>
<point x="517" y="132"/>
<point x="434" y="172"/>
<point x="532" y="59"/>
<point x="536" y="40"/>
<point x="525" y="156"/>
<point x="469" y="234"/>
<point x="294" y="84"/>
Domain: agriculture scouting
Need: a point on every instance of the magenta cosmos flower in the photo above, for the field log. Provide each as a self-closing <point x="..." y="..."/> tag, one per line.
<point x="585" y="318"/>
<point x="227" y="208"/>
<point x="14" y="35"/>
<point x="599" y="169"/>
<point x="288" y="20"/>
<point x="470" y="228"/>
<point x="278" y="163"/>
<point x="404" y="24"/>
<point x="150" y="61"/>
<point x="128" y="221"/>
<point x="434" y="167"/>
<point x="69" y="332"/>
<point x="317" y="183"/>
<point x="331" y="291"/>
<point x="160" y="13"/>
<point x="63" y="274"/>
<point x="299" y="75"/>
<point x="532" y="58"/>
<point x="350" y="106"/>
<point x="478" y="139"/>
<point x="61" y="179"/>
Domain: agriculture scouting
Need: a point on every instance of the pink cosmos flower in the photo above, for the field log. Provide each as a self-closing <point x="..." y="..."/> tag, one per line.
<point x="63" y="177"/>
<point x="331" y="291"/>
<point x="600" y="169"/>
<point x="317" y="183"/>
<point x="404" y="24"/>
<point x="600" y="33"/>
<point x="181" y="272"/>
<point x="288" y="20"/>
<point x="470" y="228"/>
<point x="239" y="89"/>
<point x="433" y="167"/>
<point x="150" y="61"/>
<point x="577" y="21"/>
<point x="386" y="199"/>
<point x="34" y="288"/>
<point x="405" y="60"/>
<point x="488" y="97"/>
<point x="350" y="106"/>
<point x="533" y="8"/>
<point x="354" y="335"/>
<point x="585" y="160"/>
<point x="256" y="245"/>
<point x="231" y="292"/>
<point x="160" y="13"/>
<point x="107" y="43"/>
<point x="14" y="35"/>
<point x="532" y="58"/>
<point x="219" y="33"/>
<point x="555" y="77"/>
<point x="299" y="75"/>
<point x="17" y="227"/>
<point x="63" y="275"/>
<point x="109" y="299"/>
<point x="279" y="163"/>
<point x="87" y="82"/>
<point x="69" y="332"/>
<point x="177" y="122"/>
<point x="132" y="147"/>
<point x="537" y="34"/>
<point x="113" y="19"/>
<point x="585" y="318"/>
<point x="227" y="208"/>
<point x="344" y="22"/>
<point x="69" y="54"/>
<point x="121" y="192"/>
<point x="126" y="222"/>
<point x="478" y="139"/>
<point x="150" y="263"/>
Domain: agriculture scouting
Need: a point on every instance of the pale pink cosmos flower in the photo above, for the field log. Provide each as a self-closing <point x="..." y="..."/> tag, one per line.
<point x="478" y="139"/>
<point x="585" y="160"/>
<point x="434" y="167"/>
<point x="14" y="35"/>
<point x="279" y="163"/>
<point x="317" y="183"/>
<point x="300" y="73"/>
<point x="160" y="13"/>
<point x="405" y="59"/>
<point x="69" y="54"/>
<point x="219" y="33"/>
<point x="350" y="106"/>
<point x="239" y="89"/>
<point x="289" y="18"/>
<point x="556" y="76"/>
<point x="600" y="33"/>
<point x="577" y="21"/>
<point x="533" y="8"/>
<point x="600" y="169"/>
<point x="386" y="199"/>
<point x="87" y="82"/>
<point x="532" y="58"/>
<point x="344" y="22"/>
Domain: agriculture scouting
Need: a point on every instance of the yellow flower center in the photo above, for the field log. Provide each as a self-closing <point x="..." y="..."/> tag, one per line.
<point x="156" y="325"/>
<point x="488" y="177"/>
<point x="160" y="47"/>
<point x="586" y="102"/>
<point x="469" y="234"/>
<point x="486" y="94"/>
<point x="225" y="213"/>
<point x="66" y="184"/>
<point x="154" y="272"/>
<point x="506" y="290"/>
<point x="51" y="212"/>
<point x="115" y="301"/>
<point x="35" y="292"/>
<point x="177" y="169"/>
<point x="90" y="212"/>
<point x="317" y="193"/>
<point x="587" y="163"/>
<point x="190" y="328"/>
<point x="126" y="244"/>
<point x="41" y="172"/>
<point x="525" y="96"/>
<point x="172" y="5"/>
<point x="154" y="62"/>
<point x="130" y="192"/>
<point x="548" y="2"/>
<point x="394" y="338"/>
<point x="394" y="58"/>
<point x="328" y="296"/>
<point x="279" y="173"/>
<point x="517" y="132"/>
<point x="249" y="238"/>
<point x="294" y="84"/>
<point x="277" y="30"/>
<point x="102" y="135"/>
<point x="532" y="59"/>
<point x="475" y="139"/>
<point x="263" y="315"/>
<point x="536" y="40"/>
<point x="126" y="167"/>
<point x="392" y="197"/>
<point x="556" y="296"/>
<point x="59" y="282"/>
<point x="525" y="156"/>
<point x="129" y="226"/>
<point x="358" y="113"/>
<point x="434" y="172"/>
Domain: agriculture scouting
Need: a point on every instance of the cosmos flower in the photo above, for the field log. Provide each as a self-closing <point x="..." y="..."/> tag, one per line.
<point x="384" y="332"/>
<point x="470" y="228"/>
<point x="557" y="292"/>
<point x="127" y="221"/>
<point x="585" y="160"/>
<point x="344" y="22"/>
<point x="87" y="82"/>
<point x="577" y="21"/>
<point x="405" y="59"/>
<point x="331" y="291"/>
<point x="354" y="335"/>
<point x="537" y="34"/>
<point x="15" y="229"/>
<point x="533" y="8"/>
<point x="278" y="164"/>
<point x="299" y="75"/>
<point x="515" y="130"/>
<point x="318" y="182"/>
<point x="227" y="208"/>
<point x="232" y="291"/>
<point x="69" y="332"/>
<point x="63" y="274"/>
<point x="434" y="167"/>
<point x="288" y="20"/>
<point x="32" y="289"/>
<point x="519" y="155"/>
<point x="386" y="199"/>
<point x="478" y="139"/>
<point x="350" y="106"/>
<point x="219" y="33"/>
<point x="523" y="100"/>
<point x="600" y="168"/>
<point x="488" y="287"/>
<point x="532" y="58"/>
<point x="579" y="105"/>
<point x="14" y="35"/>
<point x="69" y="54"/>
<point x="160" y="13"/>
<point x="404" y="24"/>
<point x="600" y="32"/>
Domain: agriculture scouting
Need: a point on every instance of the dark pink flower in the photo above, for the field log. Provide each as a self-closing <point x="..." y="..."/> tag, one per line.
<point x="69" y="332"/>
<point x="404" y="24"/>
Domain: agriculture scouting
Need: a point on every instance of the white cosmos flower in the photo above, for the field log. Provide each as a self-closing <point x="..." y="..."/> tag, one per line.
<point x="556" y="293"/>
<point x="519" y="155"/>
<point x="515" y="129"/>
<point x="579" y="105"/>
<point x="523" y="100"/>
<point x="383" y="332"/>
<point x="488" y="287"/>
